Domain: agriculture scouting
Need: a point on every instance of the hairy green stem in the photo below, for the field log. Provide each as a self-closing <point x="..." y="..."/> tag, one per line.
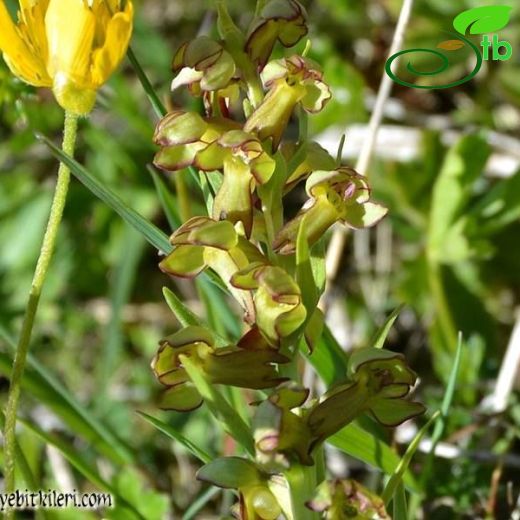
<point x="42" y="266"/>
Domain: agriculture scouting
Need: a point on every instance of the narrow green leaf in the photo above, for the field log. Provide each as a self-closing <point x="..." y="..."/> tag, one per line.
<point x="380" y="336"/>
<point x="361" y="445"/>
<point x="206" y="192"/>
<point x="448" y="395"/>
<point x="173" y="434"/>
<point x="181" y="312"/>
<point x="400" y="509"/>
<point x="166" y="198"/>
<point x="220" y="408"/>
<point x="159" y="108"/>
<point x="151" y="232"/>
<point x="397" y="475"/>
<point x="200" y="502"/>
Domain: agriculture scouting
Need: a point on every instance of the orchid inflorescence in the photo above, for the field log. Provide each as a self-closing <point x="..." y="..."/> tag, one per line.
<point x="264" y="260"/>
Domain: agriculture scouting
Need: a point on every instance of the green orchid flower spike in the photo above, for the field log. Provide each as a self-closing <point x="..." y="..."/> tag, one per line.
<point x="347" y="500"/>
<point x="279" y="309"/>
<point x="245" y="165"/>
<point x="203" y="65"/>
<point x="340" y="195"/>
<point x="230" y="365"/>
<point x="282" y="20"/>
<point x="290" y="82"/>
<point x="209" y="71"/>
<point x="182" y="135"/>
<point x="206" y="243"/>
<point x="315" y="158"/>
<point x="186" y="139"/>
<point x="279" y="426"/>
<point x="379" y="381"/>
<point x="257" y="502"/>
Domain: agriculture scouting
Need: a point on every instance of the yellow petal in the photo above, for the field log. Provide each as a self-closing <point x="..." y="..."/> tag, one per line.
<point x="107" y="58"/>
<point x="32" y="26"/>
<point x="18" y="56"/>
<point x="70" y="27"/>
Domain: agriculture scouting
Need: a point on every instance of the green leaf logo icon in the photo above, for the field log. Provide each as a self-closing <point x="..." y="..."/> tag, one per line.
<point x="481" y="20"/>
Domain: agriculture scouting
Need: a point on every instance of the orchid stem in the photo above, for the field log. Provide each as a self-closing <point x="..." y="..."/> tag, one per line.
<point x="40" y="273"/>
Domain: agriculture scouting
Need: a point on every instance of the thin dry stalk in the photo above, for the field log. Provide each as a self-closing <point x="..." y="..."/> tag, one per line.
<point x="338" y="241"/>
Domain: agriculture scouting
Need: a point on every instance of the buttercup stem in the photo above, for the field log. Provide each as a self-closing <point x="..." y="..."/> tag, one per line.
<point x="40" y="273"/>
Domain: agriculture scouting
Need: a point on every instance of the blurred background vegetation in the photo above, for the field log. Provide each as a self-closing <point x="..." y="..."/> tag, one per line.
<point x="102" y="311"/>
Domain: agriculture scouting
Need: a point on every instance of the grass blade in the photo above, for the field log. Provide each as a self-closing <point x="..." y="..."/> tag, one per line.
<point x="448" y="396"/>
<point x="397" y="475"/>
<point x="151" y="232"/>
<point x="44" y="386"/>
<point x="200" y="502"/>
<point x="166" y="198"/>
<point x="173" y="434"/>
<point x="400" y="511"/>
<point x="445" y="408"/>
<point x="158" y="107"/>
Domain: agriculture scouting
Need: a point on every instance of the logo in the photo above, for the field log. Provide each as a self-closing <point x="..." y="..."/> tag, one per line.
<point x="478" y="21"/>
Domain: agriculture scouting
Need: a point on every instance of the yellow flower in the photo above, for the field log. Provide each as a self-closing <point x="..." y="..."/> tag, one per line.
<point x="71" y="46"/>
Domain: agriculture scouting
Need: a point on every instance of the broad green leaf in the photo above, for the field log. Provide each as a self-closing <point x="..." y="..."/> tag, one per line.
<point x="134" y="487"/>
<point x="498" y="208"/>
<point x="233" y="424"/>
<point x="43" y="385"/>
<point x="173" y="434"/>
<point x="151" y="232"/>
<point x="77" y="460"/>
<point x="453" y="188"/>
<point x="304" y="274"/>
<point x="361" y="445"/>
<point x="230" y="472"/>
<point x="380" y="336"/>
<point x="328" y="359"/>
<point x="482" y="20"/>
